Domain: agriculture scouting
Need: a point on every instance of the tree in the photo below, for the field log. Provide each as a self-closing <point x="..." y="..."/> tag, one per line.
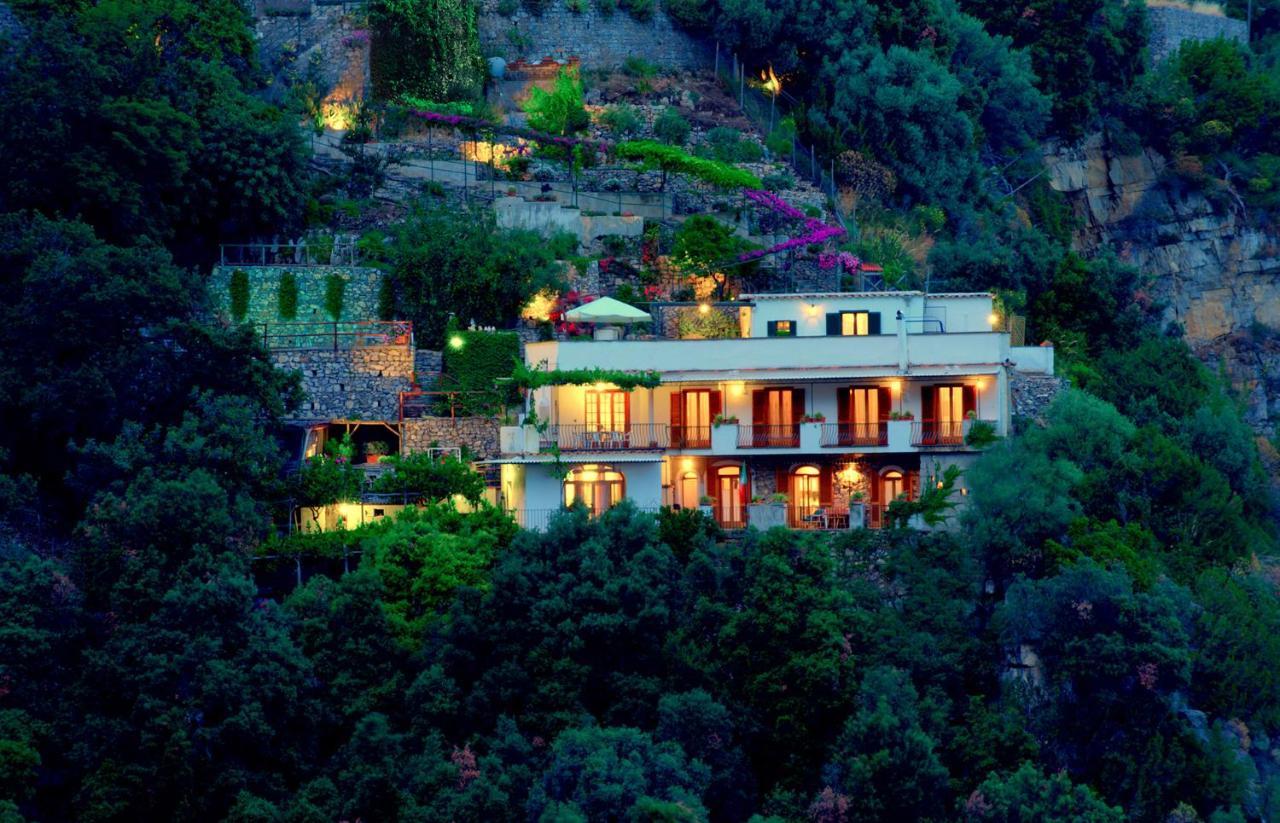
<point x="434" y="478"/>
<point x="705" y="246"/>
<point x="1027" y="794"/>
<point x="884" y="762"/>
<point x="596" y="773"/>
<point x="559" y="111"/>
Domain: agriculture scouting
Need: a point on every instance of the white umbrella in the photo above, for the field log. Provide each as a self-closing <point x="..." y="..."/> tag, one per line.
<point x="606" y="310"/>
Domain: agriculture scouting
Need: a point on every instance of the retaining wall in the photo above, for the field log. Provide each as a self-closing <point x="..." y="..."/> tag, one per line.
<point x="1171" y="27"/>
<point x="353" y="384"/>
<point x="478" y="435"/>
<point x="360" y="299"/>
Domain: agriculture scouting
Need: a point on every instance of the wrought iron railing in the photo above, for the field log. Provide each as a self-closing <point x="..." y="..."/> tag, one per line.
<point x="769" y="436"/>
<point x="690" y="437"/>
<point x="329" y="252"/>
<point x="855" y="434"/>
<point x="937" y="433"/>
<point x="582" y="437"/>
<point x="336" y="336"/>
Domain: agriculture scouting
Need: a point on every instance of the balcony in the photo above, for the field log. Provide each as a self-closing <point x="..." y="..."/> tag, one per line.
<point x="841" y="435"/>
<point x="690" y="437"/>
<point x="769" y="436"/>
<point x="944" y="433"/>
<point x="580" y="437"/>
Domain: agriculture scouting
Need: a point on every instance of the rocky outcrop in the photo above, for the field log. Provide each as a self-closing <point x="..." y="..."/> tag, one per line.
<point x="1217" y="273"/>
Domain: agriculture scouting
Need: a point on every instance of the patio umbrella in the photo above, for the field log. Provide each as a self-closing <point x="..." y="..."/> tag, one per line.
<point x="607" y="310"/>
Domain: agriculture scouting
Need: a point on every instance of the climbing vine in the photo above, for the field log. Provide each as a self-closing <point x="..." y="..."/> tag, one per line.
<point x="335" y="289"/>
<point x="288" y="295"/>
<point x="425" y="48"/>
<point x="239" y="294"/>
<point x="536" y="378"/>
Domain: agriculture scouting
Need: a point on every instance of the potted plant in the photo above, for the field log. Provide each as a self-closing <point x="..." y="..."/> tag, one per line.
<point x="857" y="509"/>
<point x="725" y="420"/>
<point x="375" y="451"/>
<point x="815" y="417"/>
<point x="767" y="512"/>
<point x="706" y="504"/>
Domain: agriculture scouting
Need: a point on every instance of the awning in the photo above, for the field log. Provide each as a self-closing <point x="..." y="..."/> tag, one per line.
<point x="607" y="310"/>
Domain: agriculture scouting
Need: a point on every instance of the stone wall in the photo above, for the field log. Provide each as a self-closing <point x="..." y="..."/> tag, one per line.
<point x="1031" y="394"/>
<point x="549" y="218"/>
<point x="324" y="43"/>
<point x="1216" y="273"/>
<point x="475" y="435"/>
<point x="1171" y="27"/>
<point x="600" y="42"/>
<point x="360" y="299"/>
<point x="354" y="384"/>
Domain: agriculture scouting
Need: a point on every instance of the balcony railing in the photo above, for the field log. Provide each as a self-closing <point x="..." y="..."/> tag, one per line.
<point x="581" y="437"/>
<point x="769" y="436"/>
<point x="335" y="336"/>
<point x="855" y="434"/>
<point x="937" y="433"/>
<point x="690" y="437"/>
<point x="540" y="519"/>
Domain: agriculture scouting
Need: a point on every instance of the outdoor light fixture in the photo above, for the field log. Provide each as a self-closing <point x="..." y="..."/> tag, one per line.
<point x="704" y="308"/>
<point x="993" y="319"/>
<point x="811" y="308"/>
<point x="456" y="342"/>
<point x="737" y="388"/>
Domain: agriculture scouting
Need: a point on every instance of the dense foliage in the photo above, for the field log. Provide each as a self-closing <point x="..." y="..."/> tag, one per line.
<point x="427" y="49"/>
<point x="1098" y="641"/>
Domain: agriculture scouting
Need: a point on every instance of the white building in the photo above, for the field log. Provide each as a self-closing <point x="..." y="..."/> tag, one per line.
<point x="839" y="402"/>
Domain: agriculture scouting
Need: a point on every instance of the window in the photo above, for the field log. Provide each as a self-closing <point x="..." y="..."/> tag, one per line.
<point x="864" y="406"/>
<point x="689" y="490"/>
<point x="606" y="411"/>
<point x="782" y="328"/>
<point x="779" y="408"/>
<point x="596" y="487"/>
<point x="894" y="486"/>
<point x="950" y="404"/>
<point x="728" y="507"/>
<point x="853" y="323"/>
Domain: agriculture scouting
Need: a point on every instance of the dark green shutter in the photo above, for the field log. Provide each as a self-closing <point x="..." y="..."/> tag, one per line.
<point x="772" y="326"/>
<point x="833" y="323"/>
<point x="873" y="322"/>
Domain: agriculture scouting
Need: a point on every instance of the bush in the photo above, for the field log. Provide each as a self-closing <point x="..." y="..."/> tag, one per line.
<point x="639" y="67"/>
<point x="288" y="296"/>
<point x="431" y="477"/>
<point x="239" y="294"/>
<point x="335" y="290"/>
<point x="778" y="182"/>
<point x="621" y="120"/>
<point x="670" y="127"/>
<point x="782" y="138"/>
<point x="727" y="146"/>
<point x="428" y="48"/>
<point x="559" y="111"/>
<point x="692" y="14"/>
<point x="714" y="325"/>
<point x="606" y="7"/>
<point x="641" y="10"/>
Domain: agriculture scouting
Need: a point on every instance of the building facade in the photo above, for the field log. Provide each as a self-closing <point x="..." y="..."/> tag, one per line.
<point x="825" y="408"/>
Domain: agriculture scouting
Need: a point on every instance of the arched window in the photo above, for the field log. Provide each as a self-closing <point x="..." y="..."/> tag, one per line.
<point x="806" y="490"/>
<point x="596" y="487"/>
<point x="894" y="485"/>
<point x="727" y="495"/>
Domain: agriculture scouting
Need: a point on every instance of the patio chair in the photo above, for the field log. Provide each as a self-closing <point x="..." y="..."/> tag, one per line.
<point x="816" y="518"/>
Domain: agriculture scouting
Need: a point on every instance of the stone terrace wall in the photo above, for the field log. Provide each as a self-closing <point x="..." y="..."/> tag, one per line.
<point x="1031" y="394"/>
<point x="600" y="42"/>
<point x="360" y="300"/>
<point x="479" y="435"/>
<point x="310" y="38"/>
<point x="1171" y="27"/>
<point x="355" y="384"/>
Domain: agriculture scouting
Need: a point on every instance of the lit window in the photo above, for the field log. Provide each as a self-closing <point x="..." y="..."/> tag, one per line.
<point x="782" y="328"/>
<point x="596" y="487"/>
<point x="854" y="323"/>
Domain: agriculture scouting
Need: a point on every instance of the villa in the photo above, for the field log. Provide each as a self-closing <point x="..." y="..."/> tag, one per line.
<point x="824" y="409"/>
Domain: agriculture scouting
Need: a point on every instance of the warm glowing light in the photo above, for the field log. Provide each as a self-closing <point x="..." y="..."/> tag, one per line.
<point x="704" y="308"/>
<point x="939" y="484"/>
<point x="480" y="151"/>
<point x="980" y="384"/>
<point x="456" y="342"/>
<point x="848" y="476"/>
<point x="895" y="386"/>
<point x="688" y="464"/>
<point x="771" y="82"/>
<point x="540" y="306"/>
<point x="811" y="308"/>
<point x="993" y="319"/>
<point x="737" y="389"/>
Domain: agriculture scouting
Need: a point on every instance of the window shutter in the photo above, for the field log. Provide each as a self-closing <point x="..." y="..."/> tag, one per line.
<point x="626" y="411"/>
<point x="677" y="408"/>
<point x="833" y="323"/>
<point x="716" y="405"/>
<point x="759" y="408"/>
<point x="780" y="475"/>
<point x="772" y="327"/>
<point x="970" y="400"/>
<point x="824" y="486"/>
<point x="843" y="396"/>
<point x="875" y="487"/>
<point x="928" y="408"/>
<point x="873" y="322"/>
<point x="797" y="405"/>
<point x="885" y="401"/>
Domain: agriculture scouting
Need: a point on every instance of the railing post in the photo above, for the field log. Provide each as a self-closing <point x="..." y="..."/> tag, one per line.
<point x="335" y="335"/>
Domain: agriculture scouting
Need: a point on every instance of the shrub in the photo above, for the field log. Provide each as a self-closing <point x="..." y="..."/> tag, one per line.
<point x="606" y="7"/>
<point x="288" y="295"/>
<point x="714" y="325"/>
<point x="670" y="127"/>
<point x="559" y="111"/>
<point x="239" y="289"/>
<point x="639" y="67"/>
<point x="428" y="48"/>
<point x="727" y="146"/>
<point x="335" y="289"/>
<point x="692" y="14"/>
<point x="782" y="138"/>
<point x="778" y="182"/>
<point x="621" y="120"/>
<point x="641" y="10"/>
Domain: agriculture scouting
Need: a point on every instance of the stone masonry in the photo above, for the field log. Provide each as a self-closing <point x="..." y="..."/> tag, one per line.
<point x="599" y="42"/>
<point x="1171" y="27"/>
<point x="359" y="301"/>
<point x="1031" y="394"/>
<point x="350" y="384"/>
<point x="477" y="436"/>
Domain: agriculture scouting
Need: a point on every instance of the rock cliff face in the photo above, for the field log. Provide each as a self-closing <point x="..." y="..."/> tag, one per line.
<point x="1217" y="272"/>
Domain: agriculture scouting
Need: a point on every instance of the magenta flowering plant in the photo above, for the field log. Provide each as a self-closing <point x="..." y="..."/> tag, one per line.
<point x="773" y="202"/>
<point x="841" y="259"/>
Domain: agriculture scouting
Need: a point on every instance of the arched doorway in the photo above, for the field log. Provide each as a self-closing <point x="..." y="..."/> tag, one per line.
<point x="596" y="487"/>
<point x="806" y="493"/>
<point x="728" y="481"/>
<point x="689" y="489"/>
<point x="893" y="485"/>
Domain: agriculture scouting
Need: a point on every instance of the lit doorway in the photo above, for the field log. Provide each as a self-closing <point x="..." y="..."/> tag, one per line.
<point x="728" y="501"/>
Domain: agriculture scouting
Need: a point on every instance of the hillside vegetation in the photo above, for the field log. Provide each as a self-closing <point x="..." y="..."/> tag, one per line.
<point x="1098" y="640"/>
